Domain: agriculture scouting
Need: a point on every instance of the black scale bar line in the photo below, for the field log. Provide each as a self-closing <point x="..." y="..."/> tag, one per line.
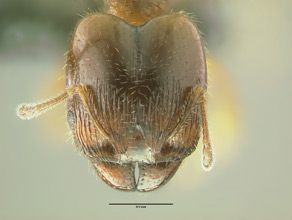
<point x="140" y="203"/>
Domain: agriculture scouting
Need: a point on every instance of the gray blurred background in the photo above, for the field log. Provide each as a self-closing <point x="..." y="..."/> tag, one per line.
<point x="43" y="177"/>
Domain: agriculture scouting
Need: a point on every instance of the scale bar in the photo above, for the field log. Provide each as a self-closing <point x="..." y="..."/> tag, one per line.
<point x="140" y="203"/>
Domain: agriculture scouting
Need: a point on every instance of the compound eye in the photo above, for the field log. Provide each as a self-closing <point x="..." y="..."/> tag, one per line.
<point x="71" y="119"/>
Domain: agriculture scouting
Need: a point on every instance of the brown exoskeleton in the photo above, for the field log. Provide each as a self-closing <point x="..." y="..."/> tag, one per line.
<point x="135" y="90"/>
